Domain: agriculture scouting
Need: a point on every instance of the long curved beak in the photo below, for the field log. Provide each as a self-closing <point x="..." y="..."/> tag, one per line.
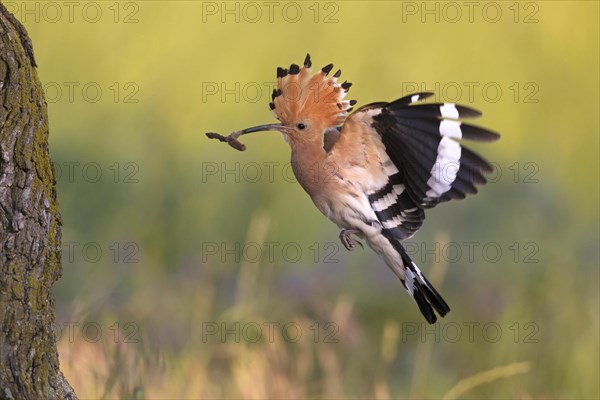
<point x="262" y="128"/>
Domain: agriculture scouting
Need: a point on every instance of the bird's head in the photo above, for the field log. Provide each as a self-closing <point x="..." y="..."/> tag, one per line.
<point x="307" y="104"/>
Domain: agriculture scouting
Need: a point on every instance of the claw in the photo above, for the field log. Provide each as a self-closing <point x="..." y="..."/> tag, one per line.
<point x="348" y="241"/>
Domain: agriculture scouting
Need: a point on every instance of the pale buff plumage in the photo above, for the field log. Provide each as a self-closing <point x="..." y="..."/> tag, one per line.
<point x="350" y="164"/>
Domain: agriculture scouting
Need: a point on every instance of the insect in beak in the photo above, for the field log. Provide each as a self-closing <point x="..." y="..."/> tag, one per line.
<point x="232" y="138"/>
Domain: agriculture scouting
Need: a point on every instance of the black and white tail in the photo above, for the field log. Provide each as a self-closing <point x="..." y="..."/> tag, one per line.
<point x="418" y="287"/>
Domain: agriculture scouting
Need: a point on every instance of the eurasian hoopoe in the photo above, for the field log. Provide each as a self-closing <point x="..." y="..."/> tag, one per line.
<point x="373" y="172"/>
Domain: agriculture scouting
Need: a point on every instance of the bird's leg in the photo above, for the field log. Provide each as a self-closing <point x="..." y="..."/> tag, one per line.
<point x="347" y="240"/>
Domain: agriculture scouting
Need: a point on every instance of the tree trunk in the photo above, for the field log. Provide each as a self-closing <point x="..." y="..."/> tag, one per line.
<point x="30" y="237"/>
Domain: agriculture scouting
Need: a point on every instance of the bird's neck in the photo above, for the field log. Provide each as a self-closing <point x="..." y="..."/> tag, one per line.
<point x="308" y="164"/>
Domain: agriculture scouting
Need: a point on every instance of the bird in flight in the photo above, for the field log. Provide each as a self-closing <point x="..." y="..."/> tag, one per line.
<point x="374" y="171"/>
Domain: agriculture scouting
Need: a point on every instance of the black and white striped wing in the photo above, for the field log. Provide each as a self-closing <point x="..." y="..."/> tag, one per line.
<point x="423" y="164"/>
<point x="395" y="210"/>
<point x="422" y="140"/>
<point x="423" y="160"/>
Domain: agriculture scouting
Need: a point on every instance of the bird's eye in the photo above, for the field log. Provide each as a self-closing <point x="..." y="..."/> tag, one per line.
<point x="301" y="126"/>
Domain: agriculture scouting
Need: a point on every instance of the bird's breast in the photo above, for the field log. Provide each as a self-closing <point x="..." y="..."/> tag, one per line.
<point x="339" y="198"/>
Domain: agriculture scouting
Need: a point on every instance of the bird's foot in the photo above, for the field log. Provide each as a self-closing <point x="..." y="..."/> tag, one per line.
<point x="347" y="240"/>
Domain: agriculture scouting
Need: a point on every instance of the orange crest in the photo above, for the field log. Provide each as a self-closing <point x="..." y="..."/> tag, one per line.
<point x="301" y="95"/>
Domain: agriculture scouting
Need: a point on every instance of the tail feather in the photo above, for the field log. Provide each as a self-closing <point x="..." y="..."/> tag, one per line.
<point x="419" y="288"/>
<point x="431" y="294"/>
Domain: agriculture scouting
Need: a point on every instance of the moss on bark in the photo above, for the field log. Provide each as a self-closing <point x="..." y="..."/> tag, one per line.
<point x="30" y="236"/>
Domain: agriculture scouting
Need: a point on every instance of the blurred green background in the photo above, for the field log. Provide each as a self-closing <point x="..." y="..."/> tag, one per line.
<point x="179" y="251"/>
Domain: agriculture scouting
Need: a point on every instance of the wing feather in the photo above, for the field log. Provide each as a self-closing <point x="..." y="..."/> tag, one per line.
<point x="423" y="143"/>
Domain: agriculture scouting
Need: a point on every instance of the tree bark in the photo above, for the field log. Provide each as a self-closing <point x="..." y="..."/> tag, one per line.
<point x="30" y="235"/>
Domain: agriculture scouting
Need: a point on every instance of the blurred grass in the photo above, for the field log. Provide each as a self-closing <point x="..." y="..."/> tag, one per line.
<point x="547" y="309"/>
